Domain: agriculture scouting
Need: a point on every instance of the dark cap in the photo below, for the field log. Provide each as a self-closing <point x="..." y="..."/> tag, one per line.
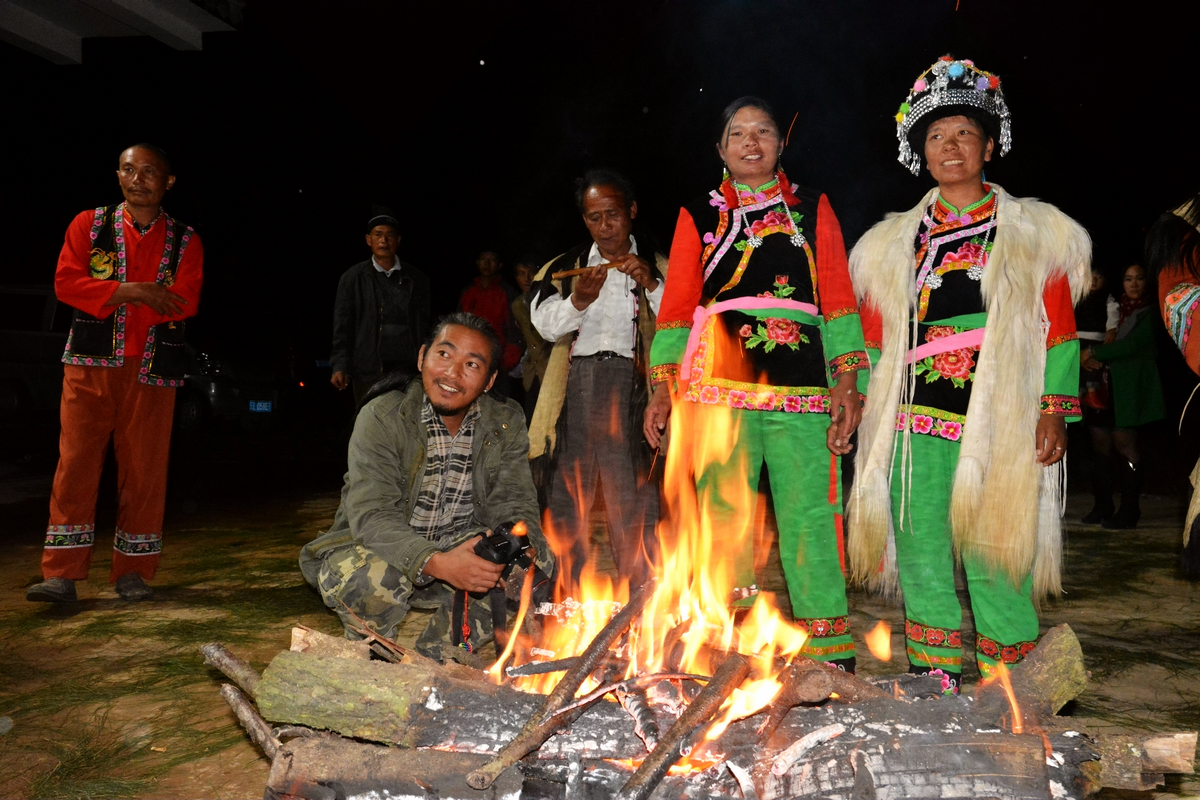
<point x="382" y="215"/>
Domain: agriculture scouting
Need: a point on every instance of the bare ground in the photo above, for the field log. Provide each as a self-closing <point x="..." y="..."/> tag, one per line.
<point x="111" y="699"/>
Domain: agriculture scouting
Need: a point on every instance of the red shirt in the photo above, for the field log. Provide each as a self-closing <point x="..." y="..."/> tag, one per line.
<point x="75" y="286"/>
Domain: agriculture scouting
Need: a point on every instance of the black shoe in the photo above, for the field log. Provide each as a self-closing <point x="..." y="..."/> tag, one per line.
<point x="1099" y="515"/>
<point x="52" y="590"/>
<point x="131" y="587"/>
<point x="1131" y="492"/>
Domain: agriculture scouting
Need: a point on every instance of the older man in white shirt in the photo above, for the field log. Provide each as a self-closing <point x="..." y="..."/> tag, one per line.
<point x="601" y="318"/>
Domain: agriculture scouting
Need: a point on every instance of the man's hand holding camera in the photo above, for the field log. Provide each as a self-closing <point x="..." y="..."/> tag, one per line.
<point x="464" y="570"/>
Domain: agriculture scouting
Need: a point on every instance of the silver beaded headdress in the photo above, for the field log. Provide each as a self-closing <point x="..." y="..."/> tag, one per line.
<point x="957" y="87"/>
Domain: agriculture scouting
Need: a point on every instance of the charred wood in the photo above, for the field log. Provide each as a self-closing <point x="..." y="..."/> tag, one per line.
<point x="540" y="725"/>
<point x="692" y="722"/>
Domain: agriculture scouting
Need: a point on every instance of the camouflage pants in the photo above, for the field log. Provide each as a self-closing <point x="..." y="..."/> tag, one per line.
<point x="354" y="579"/>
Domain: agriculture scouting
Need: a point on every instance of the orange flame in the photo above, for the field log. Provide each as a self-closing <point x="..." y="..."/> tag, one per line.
<point x="701" y="536"/>
<point x="1000" y="673"/>
<point x="496" y="671"/>
<point x="879" y="641"/>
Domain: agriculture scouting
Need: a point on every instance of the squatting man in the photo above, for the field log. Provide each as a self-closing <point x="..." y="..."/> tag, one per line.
<point x="433" y="466"/>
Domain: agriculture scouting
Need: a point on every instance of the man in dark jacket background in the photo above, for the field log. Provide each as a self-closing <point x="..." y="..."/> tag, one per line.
<point x="381" y="312"/>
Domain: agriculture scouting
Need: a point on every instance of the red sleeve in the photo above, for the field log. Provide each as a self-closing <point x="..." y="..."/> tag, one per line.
<point x="835" y="294"/>
<point x="73" y="282"/>
<point x="872" y="325"/>
<point x="189" y="277"/>
<point x="1056" y="297"/>
<point x="685" y="279"/>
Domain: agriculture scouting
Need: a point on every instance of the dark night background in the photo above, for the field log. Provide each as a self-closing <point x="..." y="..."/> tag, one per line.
<point x="285" y="132"/>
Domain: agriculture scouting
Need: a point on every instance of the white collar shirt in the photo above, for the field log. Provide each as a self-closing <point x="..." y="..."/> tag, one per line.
<point x="395" y="265"/>
<point x="609" y="324"/>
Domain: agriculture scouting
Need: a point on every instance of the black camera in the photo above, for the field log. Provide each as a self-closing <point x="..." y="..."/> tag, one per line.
<point x="507" y="545"/>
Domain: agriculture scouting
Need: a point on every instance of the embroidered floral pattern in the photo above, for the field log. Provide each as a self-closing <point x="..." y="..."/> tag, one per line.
<point x="775" y="331"/>
<point x="954" y="365"/>
<point x="137" y="544"/>
<point x="1009" y="654"/>
<point x="777" y="220"/>
<point x="118" y="358"/>
<point x="823" y="652"/>
<point x="1057" y="340"/>
<point x="62" y="537"/>
<point x="934" y="637"/>
<point x="848" y="362"/>
<point x="954" y="663"/>
<point x="664" y="372"/>
<point x="148" y="353"/>
<point x="818" y="627"/>
<point x="1179" y="306"/>
<point x="1061" y="404"/>
<point x="782" y="288"/>
<point x="675" y="323"/>
<point x="841" y="312"/>
<point x="794" y="400"/>
<point x="931" y="422"/>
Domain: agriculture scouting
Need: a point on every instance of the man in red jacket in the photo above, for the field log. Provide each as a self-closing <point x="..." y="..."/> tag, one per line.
<point x="133" y="274"/>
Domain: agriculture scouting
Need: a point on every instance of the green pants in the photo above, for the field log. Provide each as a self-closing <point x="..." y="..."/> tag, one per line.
<point x="806" y="487"/>
<point x="1006" y="625"/>
<point x="355" y="582"/>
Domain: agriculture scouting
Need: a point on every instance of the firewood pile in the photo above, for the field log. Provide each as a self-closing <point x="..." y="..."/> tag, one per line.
<point x="337" y="723"/>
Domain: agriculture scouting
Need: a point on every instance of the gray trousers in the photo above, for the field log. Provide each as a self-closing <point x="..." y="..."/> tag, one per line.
<point x="599" y="446"/>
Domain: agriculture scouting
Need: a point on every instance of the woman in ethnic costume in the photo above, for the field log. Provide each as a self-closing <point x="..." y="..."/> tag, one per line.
<point x="758" y="315"/>
<point x="967" y="311"/>
<point x="1136" y="400"/>
<point x="1172" y="260"/>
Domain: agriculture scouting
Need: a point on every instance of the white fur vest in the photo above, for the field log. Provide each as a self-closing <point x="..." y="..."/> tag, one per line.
<point x="1005" y="507"/>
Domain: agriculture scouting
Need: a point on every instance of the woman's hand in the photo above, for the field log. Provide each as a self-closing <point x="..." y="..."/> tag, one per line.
<point x="658" y="411"/>
<point x="845" y="411"/>
<point x="1051" y="439"/>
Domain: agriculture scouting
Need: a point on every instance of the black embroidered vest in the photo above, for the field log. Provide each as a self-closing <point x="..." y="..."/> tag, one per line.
<point x="96" y="342"/>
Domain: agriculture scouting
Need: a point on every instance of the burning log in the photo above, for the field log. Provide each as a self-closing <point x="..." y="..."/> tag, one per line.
<point x="728" y="677"/>
<point x="541" y="725"/>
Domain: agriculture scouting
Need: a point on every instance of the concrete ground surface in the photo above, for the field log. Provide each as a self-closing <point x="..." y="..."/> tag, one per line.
<point x="108" y="699"/>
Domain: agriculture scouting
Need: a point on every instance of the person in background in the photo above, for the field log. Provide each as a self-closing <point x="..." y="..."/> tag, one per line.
<point x="490" y="296"/>
<point x="532" y="367"/>
<point x="760" y="317"/>
<point x="1135" y="399"/>
<point x="584" y="429"/>
<point x="1172" y="260"/>
<point x="380" y="313"/>
<point x="970" y="295"/>
<point x="133" y="274"/>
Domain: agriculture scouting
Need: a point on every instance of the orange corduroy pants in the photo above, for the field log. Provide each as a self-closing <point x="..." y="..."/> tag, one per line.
<point x="99" y="405"/>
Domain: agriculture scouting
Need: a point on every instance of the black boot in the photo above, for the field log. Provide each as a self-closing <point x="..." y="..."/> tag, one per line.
<point x="1131" y="492"/>
<point x="1102" y="488"/>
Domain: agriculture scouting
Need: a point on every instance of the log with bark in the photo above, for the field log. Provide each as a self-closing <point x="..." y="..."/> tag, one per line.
<point x="888" y="744"/>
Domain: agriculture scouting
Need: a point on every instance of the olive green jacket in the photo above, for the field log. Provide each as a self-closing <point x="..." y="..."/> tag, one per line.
<point x="387" y="463"/>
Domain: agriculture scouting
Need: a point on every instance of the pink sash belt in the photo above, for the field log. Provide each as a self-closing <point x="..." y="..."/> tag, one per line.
<point x="957" y="341"/>
<point x="702" y="313"/>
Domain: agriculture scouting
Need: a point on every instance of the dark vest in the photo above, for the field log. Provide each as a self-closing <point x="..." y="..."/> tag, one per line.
<point x="95" y="342"/>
